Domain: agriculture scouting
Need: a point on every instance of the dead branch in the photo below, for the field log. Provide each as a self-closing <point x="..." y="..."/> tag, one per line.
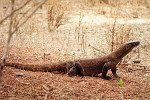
<point x="14" y="11"/>
<point x="11" y="33"/>
<point x="23" y="82"/>
<point x="94" y="48"/>
<point x="23" y="15"/>
<point x="29" y="16"/>
<point x="47" y="91"/>
<point x="45" y="87"/>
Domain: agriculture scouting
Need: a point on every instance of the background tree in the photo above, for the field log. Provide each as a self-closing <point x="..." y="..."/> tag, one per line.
<point x="13" y="30"/>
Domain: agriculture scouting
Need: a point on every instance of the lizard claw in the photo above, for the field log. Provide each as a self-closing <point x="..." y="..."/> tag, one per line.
<point x="116" y="76"/>
<point x="106" y="77"/>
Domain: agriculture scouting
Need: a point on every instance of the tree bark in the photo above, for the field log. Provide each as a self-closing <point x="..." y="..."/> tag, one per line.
<point x="3" y="59"/>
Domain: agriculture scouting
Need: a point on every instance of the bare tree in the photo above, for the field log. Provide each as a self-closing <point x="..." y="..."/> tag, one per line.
<point x="3" y="59"/>
<point x="12" y="31"/>
<point x="14" y="11"/>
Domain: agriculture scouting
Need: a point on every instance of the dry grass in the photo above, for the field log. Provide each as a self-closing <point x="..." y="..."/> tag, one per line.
<point x="118" y="35"/>
<point x="118" y="2"/>
<point x="56" y="13"/>
<point x="37" y="86"/>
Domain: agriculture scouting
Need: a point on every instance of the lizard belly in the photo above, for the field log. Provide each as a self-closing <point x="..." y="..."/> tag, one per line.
<point x="91" y="71"/>
<point x="91" y="67"/>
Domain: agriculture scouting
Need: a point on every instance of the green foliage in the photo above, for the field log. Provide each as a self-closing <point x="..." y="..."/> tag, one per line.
<point x="33" y="91"/>
<point x="120" y="82"/>
<point x="136" y="98"/>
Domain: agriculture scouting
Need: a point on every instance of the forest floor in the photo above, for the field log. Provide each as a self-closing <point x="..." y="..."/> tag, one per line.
<point x="40" y="85"/>
<point x="52" y="86"/>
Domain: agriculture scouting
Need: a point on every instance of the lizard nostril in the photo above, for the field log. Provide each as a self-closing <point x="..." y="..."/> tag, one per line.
<point x="137" y="43"/>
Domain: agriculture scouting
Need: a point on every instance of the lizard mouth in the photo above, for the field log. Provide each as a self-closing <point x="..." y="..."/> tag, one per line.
<point x="135" y="43"/>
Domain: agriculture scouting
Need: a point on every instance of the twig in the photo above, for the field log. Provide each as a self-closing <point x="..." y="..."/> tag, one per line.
<point x="96" y="49"/>
<point x="47" y="91"/>
<point x="14" y="11"/>
<point x="23" y="15"/>
<point x="93" y="48"/>
<point x="29" y="16"/>
<point x="46" y="95"/>
<point x="45" y="87"/>
<point x="23" y="82"/>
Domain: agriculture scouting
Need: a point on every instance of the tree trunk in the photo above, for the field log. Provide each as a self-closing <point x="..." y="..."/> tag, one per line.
<point x="3" y="59"/>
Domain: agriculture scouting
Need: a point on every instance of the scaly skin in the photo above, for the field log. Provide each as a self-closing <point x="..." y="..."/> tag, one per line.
<point x="93" y="67"/>
<point x="87" y="67"/>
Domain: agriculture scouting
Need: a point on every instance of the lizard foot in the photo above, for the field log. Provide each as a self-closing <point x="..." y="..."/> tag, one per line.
<point x="106" y="77"/>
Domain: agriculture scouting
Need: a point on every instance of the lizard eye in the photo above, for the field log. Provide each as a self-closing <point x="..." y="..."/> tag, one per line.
<point x="128" y="46"/>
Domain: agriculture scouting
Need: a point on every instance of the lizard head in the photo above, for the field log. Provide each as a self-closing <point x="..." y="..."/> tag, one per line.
<point x="126" y="48"/>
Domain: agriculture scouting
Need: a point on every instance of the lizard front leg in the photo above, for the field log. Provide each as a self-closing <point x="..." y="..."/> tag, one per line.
<point x="113" y="70"/>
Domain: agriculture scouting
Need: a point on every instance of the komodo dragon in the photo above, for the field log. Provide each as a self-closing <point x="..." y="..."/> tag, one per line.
<point x="87" y="67"/>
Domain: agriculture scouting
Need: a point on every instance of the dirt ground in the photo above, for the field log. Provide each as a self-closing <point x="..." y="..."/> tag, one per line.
<point x="39" y="85"/>
<point x="76" y="39"/>
<point x="52" y="86"/>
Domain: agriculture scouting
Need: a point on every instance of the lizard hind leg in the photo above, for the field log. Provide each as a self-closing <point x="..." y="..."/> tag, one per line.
<point x="75" y="70"/>
<point x="71" y="68"/>
<point x="72" y="72"/>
